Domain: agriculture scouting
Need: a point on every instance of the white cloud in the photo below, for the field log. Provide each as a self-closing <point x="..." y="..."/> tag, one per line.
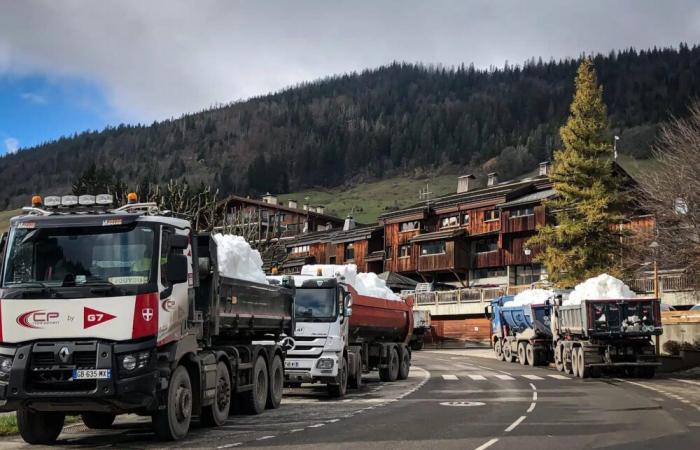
<point x="160" y="58"/>
<point x="11" y="145"/>
<point x="33" y="97"/>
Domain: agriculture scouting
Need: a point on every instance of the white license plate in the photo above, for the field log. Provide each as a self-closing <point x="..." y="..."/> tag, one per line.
<point x="291" y="364"/>
<point x="92" y="374"/>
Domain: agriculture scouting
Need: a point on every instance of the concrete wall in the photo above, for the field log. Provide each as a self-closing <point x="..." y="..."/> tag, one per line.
<point x="681" y="332"/>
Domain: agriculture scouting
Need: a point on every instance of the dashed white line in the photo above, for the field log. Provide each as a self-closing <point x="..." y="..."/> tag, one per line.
<point x="264" y="438"/>
<point x="449" y="377"/>
<point x="318" y="425"/>
<point x="512" y="426"/>
<point x="559" y="377"/>
<point x="504" y="377"/>
<point x="533" y="377"/>
<point x="532" y="407"/>
<point x="534" y="396"/>
<point x="687" y="381"/>
<point x="534" y="388"/>
<point x="477" y="377"/>
<point x="235" y="444"/>
<point x="333" y="420"/>
<point x="296" y="430"/>
<point x="487" y="444"/>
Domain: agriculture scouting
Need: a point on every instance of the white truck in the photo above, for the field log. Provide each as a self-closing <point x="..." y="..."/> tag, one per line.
<point x="108" y="311"/>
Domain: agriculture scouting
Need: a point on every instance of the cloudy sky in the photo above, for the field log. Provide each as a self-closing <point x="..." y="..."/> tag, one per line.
<point x="67" y="66"/>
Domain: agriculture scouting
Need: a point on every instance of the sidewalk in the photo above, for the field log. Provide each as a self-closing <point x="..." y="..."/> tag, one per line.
<point x="478" y="352"/>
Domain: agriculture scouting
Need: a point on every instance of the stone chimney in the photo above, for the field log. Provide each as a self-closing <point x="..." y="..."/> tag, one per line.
<point x="493" y="179"/>
<point x="545" y="167"/>
<point x="270" y="199"/>
<point x="292" y="204"/>
<point x="349" y="223"/>
<point x="463" y="183"/>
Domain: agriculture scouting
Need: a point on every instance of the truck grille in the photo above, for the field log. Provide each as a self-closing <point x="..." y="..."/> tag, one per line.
<point x="49" y="373"/>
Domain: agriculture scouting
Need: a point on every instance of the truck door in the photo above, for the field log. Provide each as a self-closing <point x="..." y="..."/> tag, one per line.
<point x="172" y="316"/>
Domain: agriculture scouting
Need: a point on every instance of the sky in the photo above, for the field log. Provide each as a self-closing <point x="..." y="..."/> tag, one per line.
<point x="69" y="66"/>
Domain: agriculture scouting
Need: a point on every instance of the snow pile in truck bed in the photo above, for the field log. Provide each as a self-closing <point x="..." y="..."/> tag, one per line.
<point x="236" y="259"/>
<point x="601" y="287"/>
<point x="365" y="283"/>
<point x="531" y="297"/>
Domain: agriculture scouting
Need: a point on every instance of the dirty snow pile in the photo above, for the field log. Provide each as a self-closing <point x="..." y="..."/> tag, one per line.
<point x="601" y="287"/>
<point x="236" y="259"/>
<point x="531" y="297"/>
<point x="365" y="283"/>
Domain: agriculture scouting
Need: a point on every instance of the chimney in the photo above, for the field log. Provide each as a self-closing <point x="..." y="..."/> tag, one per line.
<point x="269" y="198"/>
<point x="349" y="223"/>
<point x="292" y="204"/>
<point x="321" y="209"/>
<point x="545" y="167"/>
<point x="493" y="179"/>
<point x="463" y="183"/>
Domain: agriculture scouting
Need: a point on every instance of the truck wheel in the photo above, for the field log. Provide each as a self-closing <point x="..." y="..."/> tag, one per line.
<point x="508" y="352"/>
<point x="38" y="427"/>
<point x="355" y="381"/>
<point x="498" y="350"/>
<point x="522" y="354"/>
<point x="568" y="364"/>
<point x="533" y="357"/>
<point x="274" y="399"/>
<point x="583" y="371"/>
<point x="339" y="390"/>
<point x="255" y="399"/>
<point x="574" y="361"/>
<point x="391" y="372"/>
<point x="215" y="415"/>
<point x="405" y="366"/>
<point x="558" y="357"/>
<point x="98" y="420"/>
<point x="173" y="422"/>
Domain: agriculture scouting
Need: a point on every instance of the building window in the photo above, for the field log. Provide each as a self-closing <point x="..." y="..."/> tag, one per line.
<point x="447" y="222"/>
<point x="527" y="274"/>
<point x="410" y="226"/>
<point x="387" y="252"/>
<point x="432" y="248"/>
<point x="491" y="215"/>
<point x="465" y="219"/>
<point x="404" y="251"/>
<point x="521" y="212"/>
<point x="349" y="251"/>
<point x="492" y="272"/>
<point x="486" y="245"/>
<point x="300" y="249"/>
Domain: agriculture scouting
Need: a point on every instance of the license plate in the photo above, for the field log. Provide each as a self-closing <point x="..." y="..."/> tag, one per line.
<point x="291" y="364"/>
<point x="92" y="374"/>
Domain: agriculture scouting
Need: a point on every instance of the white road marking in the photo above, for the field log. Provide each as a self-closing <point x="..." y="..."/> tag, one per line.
<point x="534" y="396"/>
<point x="559" y="377"/>
<point x="686" y="381"/>
<point x="534" y="388"/>
<point x="477" y="377"/>
<point x="449" y="377"/>
<point x="531" y="408"/>
<point x="333" y="420"/>
<point x="504" y="377"/>
<point x="235" y="444"/>
<point x="487" y="444"/>
<point x="263" y="438"/>
<point x="318" y="425"/>
<point x="512" y="426"/>
<point x="533" y="377"/>
<point x="296" y="430"/>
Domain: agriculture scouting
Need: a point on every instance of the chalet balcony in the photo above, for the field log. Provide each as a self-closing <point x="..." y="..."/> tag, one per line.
<point x="518" y="224"/>
<point x="441" y="251"/>
<point x="488" y="259"/>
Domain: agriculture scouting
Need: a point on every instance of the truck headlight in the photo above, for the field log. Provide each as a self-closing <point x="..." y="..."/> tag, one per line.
<point x="325" y="363"/>
<point x="5" y="367"/>
<point x="135" y="361"/>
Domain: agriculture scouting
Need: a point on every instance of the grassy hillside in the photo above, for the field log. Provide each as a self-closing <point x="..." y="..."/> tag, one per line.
<point x="5" y="217"/>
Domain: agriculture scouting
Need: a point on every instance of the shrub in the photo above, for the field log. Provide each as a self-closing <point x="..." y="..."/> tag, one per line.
<point x="672" y="347"/>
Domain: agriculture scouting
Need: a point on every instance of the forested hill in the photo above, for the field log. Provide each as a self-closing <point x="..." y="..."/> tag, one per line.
<point x="378" y="123"/>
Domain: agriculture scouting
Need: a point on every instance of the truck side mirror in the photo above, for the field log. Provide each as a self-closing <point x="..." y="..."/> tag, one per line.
<point x="179" y="241"/>
<point x="347" y="312"/>
<point x="348" y="300"/>
<point x="176" y="269"/>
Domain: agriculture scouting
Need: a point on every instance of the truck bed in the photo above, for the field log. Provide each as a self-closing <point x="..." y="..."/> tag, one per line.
<point x="638" y="317"/>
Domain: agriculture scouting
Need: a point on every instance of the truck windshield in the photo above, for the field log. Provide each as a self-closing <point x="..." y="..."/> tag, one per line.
<point x="315" y="305"/>
<point x="120" y="258"/>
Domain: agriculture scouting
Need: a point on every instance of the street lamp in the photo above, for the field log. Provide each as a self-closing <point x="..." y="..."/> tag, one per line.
<point x="654" y="246"/>
<point x="528" y="252"/>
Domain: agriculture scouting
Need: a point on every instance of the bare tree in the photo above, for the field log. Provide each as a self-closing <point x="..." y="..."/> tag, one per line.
<point x="198" y="205"/>
<point x="671" y="192"/>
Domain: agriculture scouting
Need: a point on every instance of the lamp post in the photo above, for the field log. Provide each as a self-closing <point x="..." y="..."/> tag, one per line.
<point x="527" y="251"/>
<point x="654" y="246"/>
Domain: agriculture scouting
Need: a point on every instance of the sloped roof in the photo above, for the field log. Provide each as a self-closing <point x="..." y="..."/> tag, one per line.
<point x="534" y="197"/>
<point x="438" y="235"/>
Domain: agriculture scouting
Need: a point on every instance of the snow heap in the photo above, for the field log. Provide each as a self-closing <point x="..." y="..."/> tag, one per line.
<point x="365" y="283"/>
<point x="601" y="287"/>
<point x="531" y="297"/>
<point x="236" y="259"/>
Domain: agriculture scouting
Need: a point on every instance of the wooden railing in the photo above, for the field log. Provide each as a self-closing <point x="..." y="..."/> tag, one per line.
<point x="672" y="282"/>
<point x="458" y="296"/>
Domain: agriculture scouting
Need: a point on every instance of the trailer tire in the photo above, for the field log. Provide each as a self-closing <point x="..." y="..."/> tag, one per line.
<point x="355" y="381"/>
<point x="533" y="357"/>
<point x="508" y="352"/>
<point x="339" y="390"/>
<point x="254" y="400"/>
<point x="559" y="357"/>
<point x="391" y="371"/>
<point x="98" y="420"/>
<point x="405" y="366"/>
<point x="39" y="427"/>
<point x="215" y="415"/>
<point x="274" y="398"/>
<point x="173" y="422"/>
<point x="522" y="353"/>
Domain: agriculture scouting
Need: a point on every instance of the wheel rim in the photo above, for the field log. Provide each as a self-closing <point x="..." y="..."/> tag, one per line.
<point x="184" y="403"/>
<point x="260" y="387"/>
<point x="223" y="391"/>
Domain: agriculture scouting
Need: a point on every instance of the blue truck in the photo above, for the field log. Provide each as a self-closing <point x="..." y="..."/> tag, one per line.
<point x="520" y="332"/>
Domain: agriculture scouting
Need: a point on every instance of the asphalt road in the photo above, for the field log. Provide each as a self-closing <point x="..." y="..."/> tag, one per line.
<point x="452" y="399"/>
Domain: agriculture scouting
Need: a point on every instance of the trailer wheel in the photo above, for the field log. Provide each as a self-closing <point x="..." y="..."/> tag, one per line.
<point x="558" y="357"/>
<point x="39" y="427"/>
<point x="533" y="357"/>
<point x="405" y="366"/>
<point x="522" y="353"/>
<point x="274" y="399"/>
<point x="215" y="415"/>
<point x="391" y="371"/>
<point x="508" y="352"/>
<point x="356" y="380"/>
<point x="339" y="390"/>
<point x="173" y="422"/>
<point x="98" y="420"/>
<point x="255" y="399"/>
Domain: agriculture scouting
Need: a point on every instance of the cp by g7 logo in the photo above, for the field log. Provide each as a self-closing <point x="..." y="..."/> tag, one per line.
<point x="38" y="319"/>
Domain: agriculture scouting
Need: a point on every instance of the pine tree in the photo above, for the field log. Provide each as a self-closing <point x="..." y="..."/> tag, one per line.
<point x="582" y="243"/>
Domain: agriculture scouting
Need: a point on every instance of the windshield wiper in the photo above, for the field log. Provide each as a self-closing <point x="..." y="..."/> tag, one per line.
<point x="102" y="286"/>
<point x="42" y="287"/>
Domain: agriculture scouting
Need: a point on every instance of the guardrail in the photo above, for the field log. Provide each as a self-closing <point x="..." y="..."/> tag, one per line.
<point x="672" y="282"/>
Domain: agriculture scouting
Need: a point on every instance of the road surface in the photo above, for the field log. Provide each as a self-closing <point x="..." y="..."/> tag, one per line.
<point x="452" y="399"/>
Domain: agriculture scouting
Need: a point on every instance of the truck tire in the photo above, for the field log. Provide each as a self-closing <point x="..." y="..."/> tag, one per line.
<point x="405" y="366"/>
<point x="391" y="371"/>
<point x="215" y="415"/>
<point x="533" y="357"/>
<point x="568" y="364"/>
<point x="173" y="422"/>
<point x="38" y="427"/>
<point x="522" y="353"/>
<point x="98" y="420"/>
<point x="575" y="361"/>
<point x="355" y="381"/>
<point x="498" y="350"/>
<point x="558" y="357"/>
<point x="274" y="398"/>
<point x="339" y="390"/>
<point x="508" y="352"/>
<point x="254" y="400"/>
<point x="583" y="371"/>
